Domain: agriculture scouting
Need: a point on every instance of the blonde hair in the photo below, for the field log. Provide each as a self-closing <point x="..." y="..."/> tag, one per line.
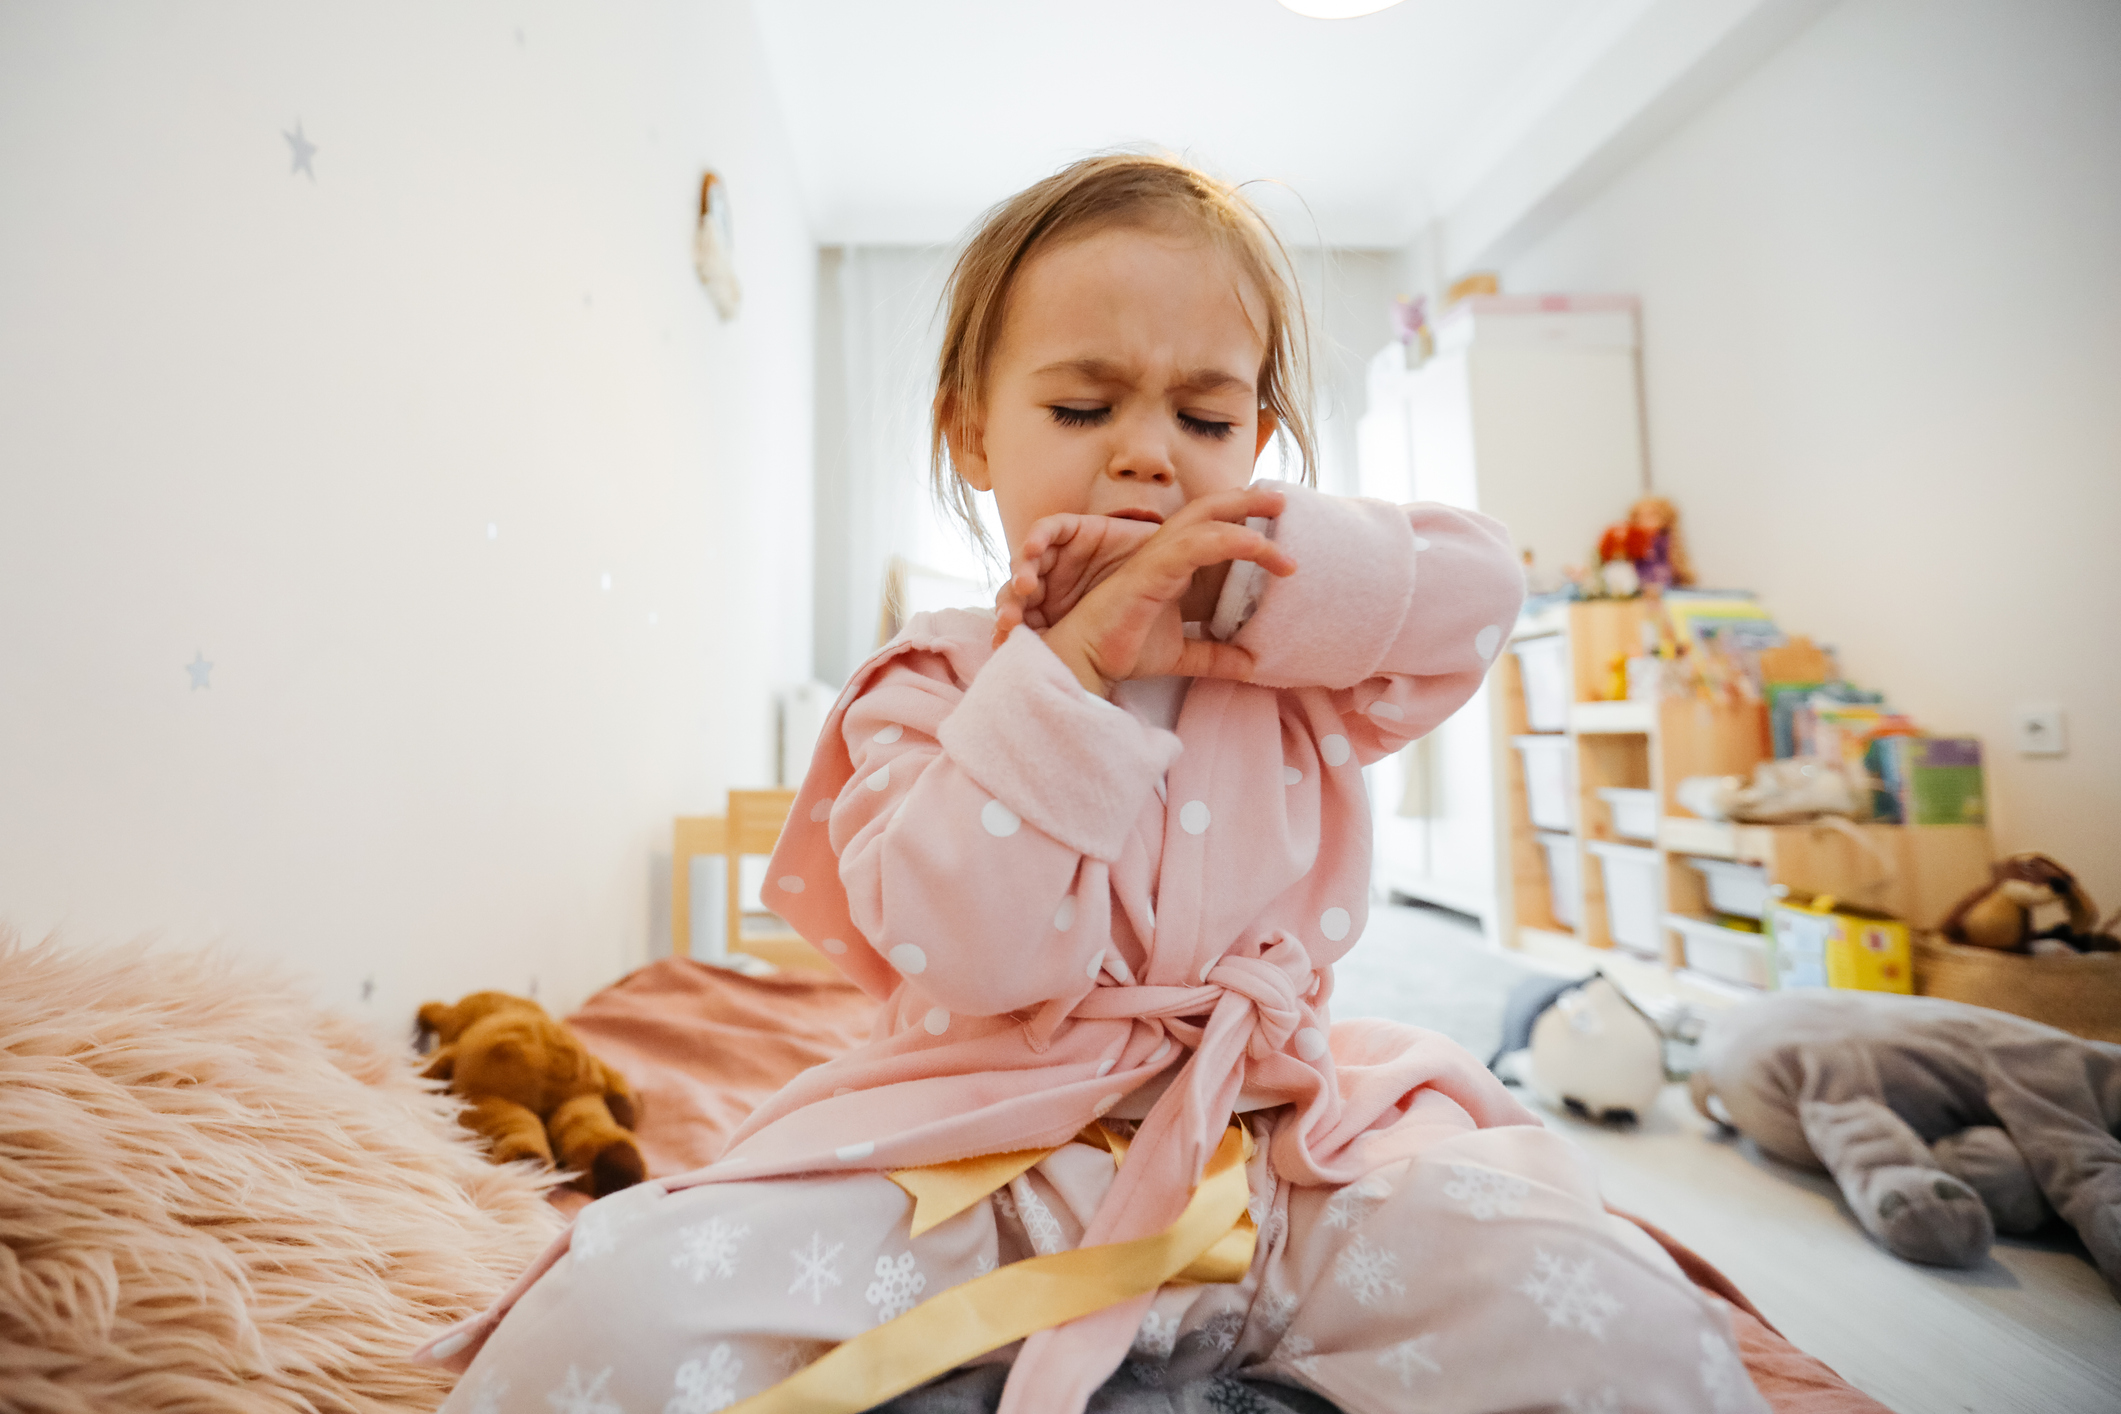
<point x="1112" y="190"/>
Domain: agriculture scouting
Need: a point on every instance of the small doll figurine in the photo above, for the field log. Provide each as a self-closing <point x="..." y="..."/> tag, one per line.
<point x="1649" y="540"/>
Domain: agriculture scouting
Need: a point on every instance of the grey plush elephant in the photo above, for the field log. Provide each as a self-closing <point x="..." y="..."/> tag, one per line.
<point x="1943" y="1123"/>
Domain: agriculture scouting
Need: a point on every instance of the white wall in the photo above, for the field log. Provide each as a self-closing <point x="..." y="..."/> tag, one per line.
<point x="1881" y="286"/>
<point x="269" y="420"/>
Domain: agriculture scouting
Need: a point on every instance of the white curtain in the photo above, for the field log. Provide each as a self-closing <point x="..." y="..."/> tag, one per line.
<point x="879" y="331"/>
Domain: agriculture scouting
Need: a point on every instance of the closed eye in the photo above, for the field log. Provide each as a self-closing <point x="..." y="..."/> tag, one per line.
<point x="1206" y="427"/>
<point x="1079" y="417"/>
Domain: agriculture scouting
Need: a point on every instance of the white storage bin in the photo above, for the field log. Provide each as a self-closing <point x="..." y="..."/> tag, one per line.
<point x="1564" y="884"/>
<point x="1633" y="897"/>
<point x="1543" y="663"/>
<point x="1733" y="887"/>
<point x="1729" y="953"/>
<point x="1547" y="787"/>
<point x="1634" y="812"/>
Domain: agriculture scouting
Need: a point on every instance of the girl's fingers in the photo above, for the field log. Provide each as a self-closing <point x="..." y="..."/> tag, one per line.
<point x="1234" y="506"/>
<point x="1206" y="658"/>
<point x="1006" y="617"/>
<point x="1212" y="542"/>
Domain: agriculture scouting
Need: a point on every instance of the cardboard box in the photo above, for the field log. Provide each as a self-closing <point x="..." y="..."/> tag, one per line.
<point x="1824" y="943"/>
<point x="1927" y="780"/>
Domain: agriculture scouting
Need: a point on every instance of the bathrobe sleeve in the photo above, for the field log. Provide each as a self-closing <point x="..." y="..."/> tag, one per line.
<point x="974" y="830"/>
<point x="1396" y="610"/>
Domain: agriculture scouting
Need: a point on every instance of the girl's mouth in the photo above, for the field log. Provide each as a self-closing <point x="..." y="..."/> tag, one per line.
<point x="1138" y="514"/>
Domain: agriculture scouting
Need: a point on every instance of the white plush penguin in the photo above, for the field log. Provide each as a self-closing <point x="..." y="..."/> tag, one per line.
<point x="1592" y="1050"/>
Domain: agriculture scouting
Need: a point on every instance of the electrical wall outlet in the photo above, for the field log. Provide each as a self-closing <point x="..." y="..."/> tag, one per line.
<point x="2040" y="729"/>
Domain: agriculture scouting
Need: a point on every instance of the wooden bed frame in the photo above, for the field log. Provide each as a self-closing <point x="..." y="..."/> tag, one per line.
<point x="751" y="827"/>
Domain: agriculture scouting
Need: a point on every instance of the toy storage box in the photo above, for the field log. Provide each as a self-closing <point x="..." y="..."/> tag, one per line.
<point x="1634" y="812"/>
<point x="1634" y="895"/>
<point x="1544" y="665"/>
<point x="1734" y="887"/>
<point x="1728" y="953"/>
<point x="1547" y="780"/>
<point x="1822" y="944"/>
<point x="1564" y="883"/>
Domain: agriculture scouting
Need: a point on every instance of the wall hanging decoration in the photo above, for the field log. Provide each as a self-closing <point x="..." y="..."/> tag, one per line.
<point x="302" y="149"/>
<point x="713" y="249"/>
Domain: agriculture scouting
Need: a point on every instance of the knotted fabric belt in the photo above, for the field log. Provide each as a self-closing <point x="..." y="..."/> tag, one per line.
<point x="1211" y="1241"/>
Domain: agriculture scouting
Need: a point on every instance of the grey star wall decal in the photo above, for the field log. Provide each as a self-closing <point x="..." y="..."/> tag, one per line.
<point x="303" y="149"/>
<point x="201" y="671"/>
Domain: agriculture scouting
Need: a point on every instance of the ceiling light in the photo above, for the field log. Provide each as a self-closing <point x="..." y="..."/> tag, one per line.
<point x="1337" y="9"/>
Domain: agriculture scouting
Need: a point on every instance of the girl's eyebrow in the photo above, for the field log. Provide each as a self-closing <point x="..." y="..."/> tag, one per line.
<point x="1105" y="370"/>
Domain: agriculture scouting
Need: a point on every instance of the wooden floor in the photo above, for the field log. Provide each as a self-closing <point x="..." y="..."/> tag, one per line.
<point x="2032" y="1331"/>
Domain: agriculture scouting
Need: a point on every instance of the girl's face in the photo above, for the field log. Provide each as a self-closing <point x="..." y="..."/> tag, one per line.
<point x="1125" y="384"/>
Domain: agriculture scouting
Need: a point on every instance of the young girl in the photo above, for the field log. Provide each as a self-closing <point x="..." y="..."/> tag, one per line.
<point x="1096" y="854"/>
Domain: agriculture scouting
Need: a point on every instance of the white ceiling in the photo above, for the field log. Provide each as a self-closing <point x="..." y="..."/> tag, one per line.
<point x="909" y="117"/>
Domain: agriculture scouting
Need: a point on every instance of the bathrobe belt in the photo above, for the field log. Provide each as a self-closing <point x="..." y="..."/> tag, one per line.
<point x="1212" y="1241"/>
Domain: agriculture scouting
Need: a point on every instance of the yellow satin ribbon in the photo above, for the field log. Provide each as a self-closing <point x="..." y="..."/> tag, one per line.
<point x="1011" y="1302"/>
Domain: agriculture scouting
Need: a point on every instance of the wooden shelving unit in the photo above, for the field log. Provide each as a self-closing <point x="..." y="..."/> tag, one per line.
<point x="1914" y="873"/>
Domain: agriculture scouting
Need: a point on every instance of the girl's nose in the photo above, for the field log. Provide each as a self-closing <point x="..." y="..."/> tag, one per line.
<point x="1142" y="458"/>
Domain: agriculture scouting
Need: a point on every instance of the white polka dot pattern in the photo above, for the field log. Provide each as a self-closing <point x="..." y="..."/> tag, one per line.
<point x="999" y="820"/>
<point x="1163" y="1048"/>
<point x="909" y="959"/>
<point x="1104" y="1106"/>
<point x="1292" y="775"/>
<point x="832" y="945"/>
<point x="1487" y="641"/>
<point x="1334" y="923"/>
<point x="889" y="734"/>
<point x="1064" y="916"/>
<point x="1334" y="749"/>
<point x="1310" y="1043"/>
<point x="1208" y="967"/>
<point x="1193" y="816"/>
<point x="791" y="883"/>
<point x="1104" y="1067"/>
<point x="936" y="1022"/>
<point x="822" y="811"/>
<point x="1420" y="543"/>
<point x="1388" y="710"/>
<point x="1096" y="965"/>
<point x="879" y="778"/>
<point x="848" y="1153"/>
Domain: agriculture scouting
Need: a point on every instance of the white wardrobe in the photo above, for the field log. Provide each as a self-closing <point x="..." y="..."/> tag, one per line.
<point x="1529" y="411"/>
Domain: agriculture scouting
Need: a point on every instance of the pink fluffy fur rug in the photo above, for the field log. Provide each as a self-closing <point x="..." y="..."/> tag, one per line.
<point x="216" y="1195"/>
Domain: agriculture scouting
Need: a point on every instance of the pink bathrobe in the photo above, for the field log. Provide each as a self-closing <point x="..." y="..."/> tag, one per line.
<point x="1058" y="904"/>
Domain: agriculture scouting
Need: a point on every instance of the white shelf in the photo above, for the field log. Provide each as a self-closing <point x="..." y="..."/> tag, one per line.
<point x="1710" y="839"/>
<point x="1612" y="718"/>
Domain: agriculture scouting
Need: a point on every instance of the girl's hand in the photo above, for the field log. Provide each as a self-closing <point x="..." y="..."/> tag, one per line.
<point x="1127" y="624"/>
<point x="1062" y="559"/>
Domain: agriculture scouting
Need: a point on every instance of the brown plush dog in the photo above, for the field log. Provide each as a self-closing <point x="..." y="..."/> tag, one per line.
<point x="535" y="1092"/>
<point x="2001" y="913"/>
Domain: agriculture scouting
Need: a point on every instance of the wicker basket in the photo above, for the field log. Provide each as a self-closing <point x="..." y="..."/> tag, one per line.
<point x="2080" y="993"/>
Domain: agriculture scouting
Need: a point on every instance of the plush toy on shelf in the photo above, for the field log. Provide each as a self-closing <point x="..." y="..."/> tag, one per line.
<point x="1644" y="552"/>
<point x="1942" y="1123"/>
<point x="535" y="1091"/>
